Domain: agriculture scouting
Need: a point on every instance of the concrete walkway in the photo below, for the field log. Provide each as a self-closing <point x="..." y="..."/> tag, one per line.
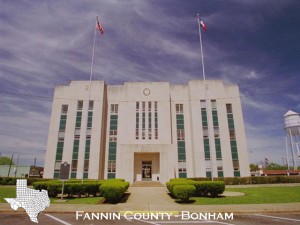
<point x="157" y="199"/>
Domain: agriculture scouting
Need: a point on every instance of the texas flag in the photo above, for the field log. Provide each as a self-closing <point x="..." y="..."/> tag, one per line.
<point x="202" y="24"/>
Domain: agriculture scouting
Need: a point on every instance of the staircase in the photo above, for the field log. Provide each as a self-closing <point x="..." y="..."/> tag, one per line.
<point x="146" y="184"/>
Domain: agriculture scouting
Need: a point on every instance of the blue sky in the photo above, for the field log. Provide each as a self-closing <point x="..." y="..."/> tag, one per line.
<point x="47" y="43"/>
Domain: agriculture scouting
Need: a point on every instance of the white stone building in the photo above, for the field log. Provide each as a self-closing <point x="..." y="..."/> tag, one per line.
<point x="147" y="131"/>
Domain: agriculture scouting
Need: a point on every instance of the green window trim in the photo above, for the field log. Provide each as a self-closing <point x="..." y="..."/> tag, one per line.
<point x="111" y="175"/>
<point x="182" y="175"/>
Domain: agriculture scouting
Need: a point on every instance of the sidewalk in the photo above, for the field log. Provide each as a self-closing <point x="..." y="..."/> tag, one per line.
<point x="157" y="199"/>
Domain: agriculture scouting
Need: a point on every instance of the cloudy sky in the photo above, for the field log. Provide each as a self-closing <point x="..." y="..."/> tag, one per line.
<point x="254" y="43"/>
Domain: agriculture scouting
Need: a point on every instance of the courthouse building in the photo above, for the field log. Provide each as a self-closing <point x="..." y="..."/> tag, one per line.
<point x="147" y="131"/>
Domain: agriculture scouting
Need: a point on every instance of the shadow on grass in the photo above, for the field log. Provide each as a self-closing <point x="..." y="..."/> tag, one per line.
<point x="191" y="200"/>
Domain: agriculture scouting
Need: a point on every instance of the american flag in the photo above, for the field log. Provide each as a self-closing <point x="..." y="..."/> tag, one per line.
<point x="99" y="27"/>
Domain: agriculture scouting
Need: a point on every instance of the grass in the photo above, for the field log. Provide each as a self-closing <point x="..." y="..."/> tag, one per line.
<point x="7" y="192"/>
<point x="90" y="200"/>
<point x="255" y="195"/>
<point x="10" y="192"/>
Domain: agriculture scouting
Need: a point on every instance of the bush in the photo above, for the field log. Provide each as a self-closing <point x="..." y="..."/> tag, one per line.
<point x="113" y="191"/>
<point x="71" y="188"/>
<point x="184" y="192"/>
<point x="180" y="181"/>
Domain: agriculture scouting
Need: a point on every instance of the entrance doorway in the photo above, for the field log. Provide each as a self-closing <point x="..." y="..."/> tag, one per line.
<point x="146" y="170"/>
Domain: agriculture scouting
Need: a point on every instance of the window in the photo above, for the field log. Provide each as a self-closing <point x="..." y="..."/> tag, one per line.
<point x="78" y="119"/>
<point x="179" y="108"/>
<point x="90" y="120"/>
<point x="204" y="118"/>
<point x="218" y="149"/>
<point x="114" y="108"/>
<point x="61" y="135"/>
<point x="213" y="105"/>
<point x="155" y="106"/>
<point x="229" y="108"/>
<point x="236" y="165"/>
<point x="136" y="133"/>
<point x="63" y="122"/>
<point x="79" y="105"/>
<point x="180" y="134"/>
<point x="150" y="134"/>
<point x="91" y="105"/>
<point x="215" y="118"/>
<point x="232" y="134"/>
<point x="111" y="168"/>
<point x="113" y="135"/>
<point x="86" y="165"/>
<point x="74" y="165"/>
<point x="216" y="132"/>
<point x="57" y="165"/>
<point x="205" y="132"/>
<point x="137" y="106"/>
<point x="203" y="105"/>
<point x="149" y="106"/>
<point x="64" y="109"/>
<point x="206" y="149"/>
<point x="143" y="106"/>
<point x="143" y="134"/>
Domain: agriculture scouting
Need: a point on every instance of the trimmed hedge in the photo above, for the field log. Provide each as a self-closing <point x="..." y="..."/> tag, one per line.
<point x="214" y="188"/>
<point x="13" y="181"/>
<point x="253" y="180"/>
<point x="179" y="181"/>
<point x="202" y="188"/>
<point x="113" y="190"/>
<point x="71" y="188"/>
<point x="184" y="192"/>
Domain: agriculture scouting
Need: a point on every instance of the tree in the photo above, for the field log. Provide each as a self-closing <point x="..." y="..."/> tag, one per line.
<point x="254" y="167"/>
<point x="6" y="161"/>
<point x="275" y="166"/>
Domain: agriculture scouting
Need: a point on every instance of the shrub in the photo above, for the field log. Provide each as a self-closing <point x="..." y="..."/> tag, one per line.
<point x="70" y="188"/>
<point x="53" y="190"/>
<point x="113" y="191"/>
<point x="170" y="185"/>
<point x="184" y="192"/>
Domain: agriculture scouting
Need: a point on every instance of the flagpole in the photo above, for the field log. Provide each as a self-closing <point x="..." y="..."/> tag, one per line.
<point x="205" y="86"/>
<point x="200" y="39"/>
<point x="93" y="56"/>
<point x="90" y="87"/>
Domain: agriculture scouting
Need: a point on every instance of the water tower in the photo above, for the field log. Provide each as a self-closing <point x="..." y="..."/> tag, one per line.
<point x="292" y="131"/>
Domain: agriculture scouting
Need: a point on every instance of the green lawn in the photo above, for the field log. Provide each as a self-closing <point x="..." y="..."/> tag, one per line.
<point x="7" y="192"/>
<point x="255" y="195"/>
<point x="90" y="200"/>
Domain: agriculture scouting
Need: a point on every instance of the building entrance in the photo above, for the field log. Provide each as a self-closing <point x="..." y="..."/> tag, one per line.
<point x="146" y="170"/>
<point x="146" y="166"/>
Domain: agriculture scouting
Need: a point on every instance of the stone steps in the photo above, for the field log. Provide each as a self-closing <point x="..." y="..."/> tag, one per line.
<point x="146" y="184"/>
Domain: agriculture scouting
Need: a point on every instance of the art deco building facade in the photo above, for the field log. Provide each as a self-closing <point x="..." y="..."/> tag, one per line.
<point x="147" y="131"/>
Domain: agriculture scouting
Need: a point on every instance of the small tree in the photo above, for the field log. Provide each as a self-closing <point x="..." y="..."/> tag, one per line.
<point x="6" y="161"/>
<point x="254" y="167"/>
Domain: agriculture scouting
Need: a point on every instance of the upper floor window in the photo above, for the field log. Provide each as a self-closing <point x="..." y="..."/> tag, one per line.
<point x="91" y="105"/>
<point x="64" y="109"/>
<point x="79" y="105"/>
<point x="229" y="108"/>
<point x="114" y="108"/>
<point x="179" y="108"/>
